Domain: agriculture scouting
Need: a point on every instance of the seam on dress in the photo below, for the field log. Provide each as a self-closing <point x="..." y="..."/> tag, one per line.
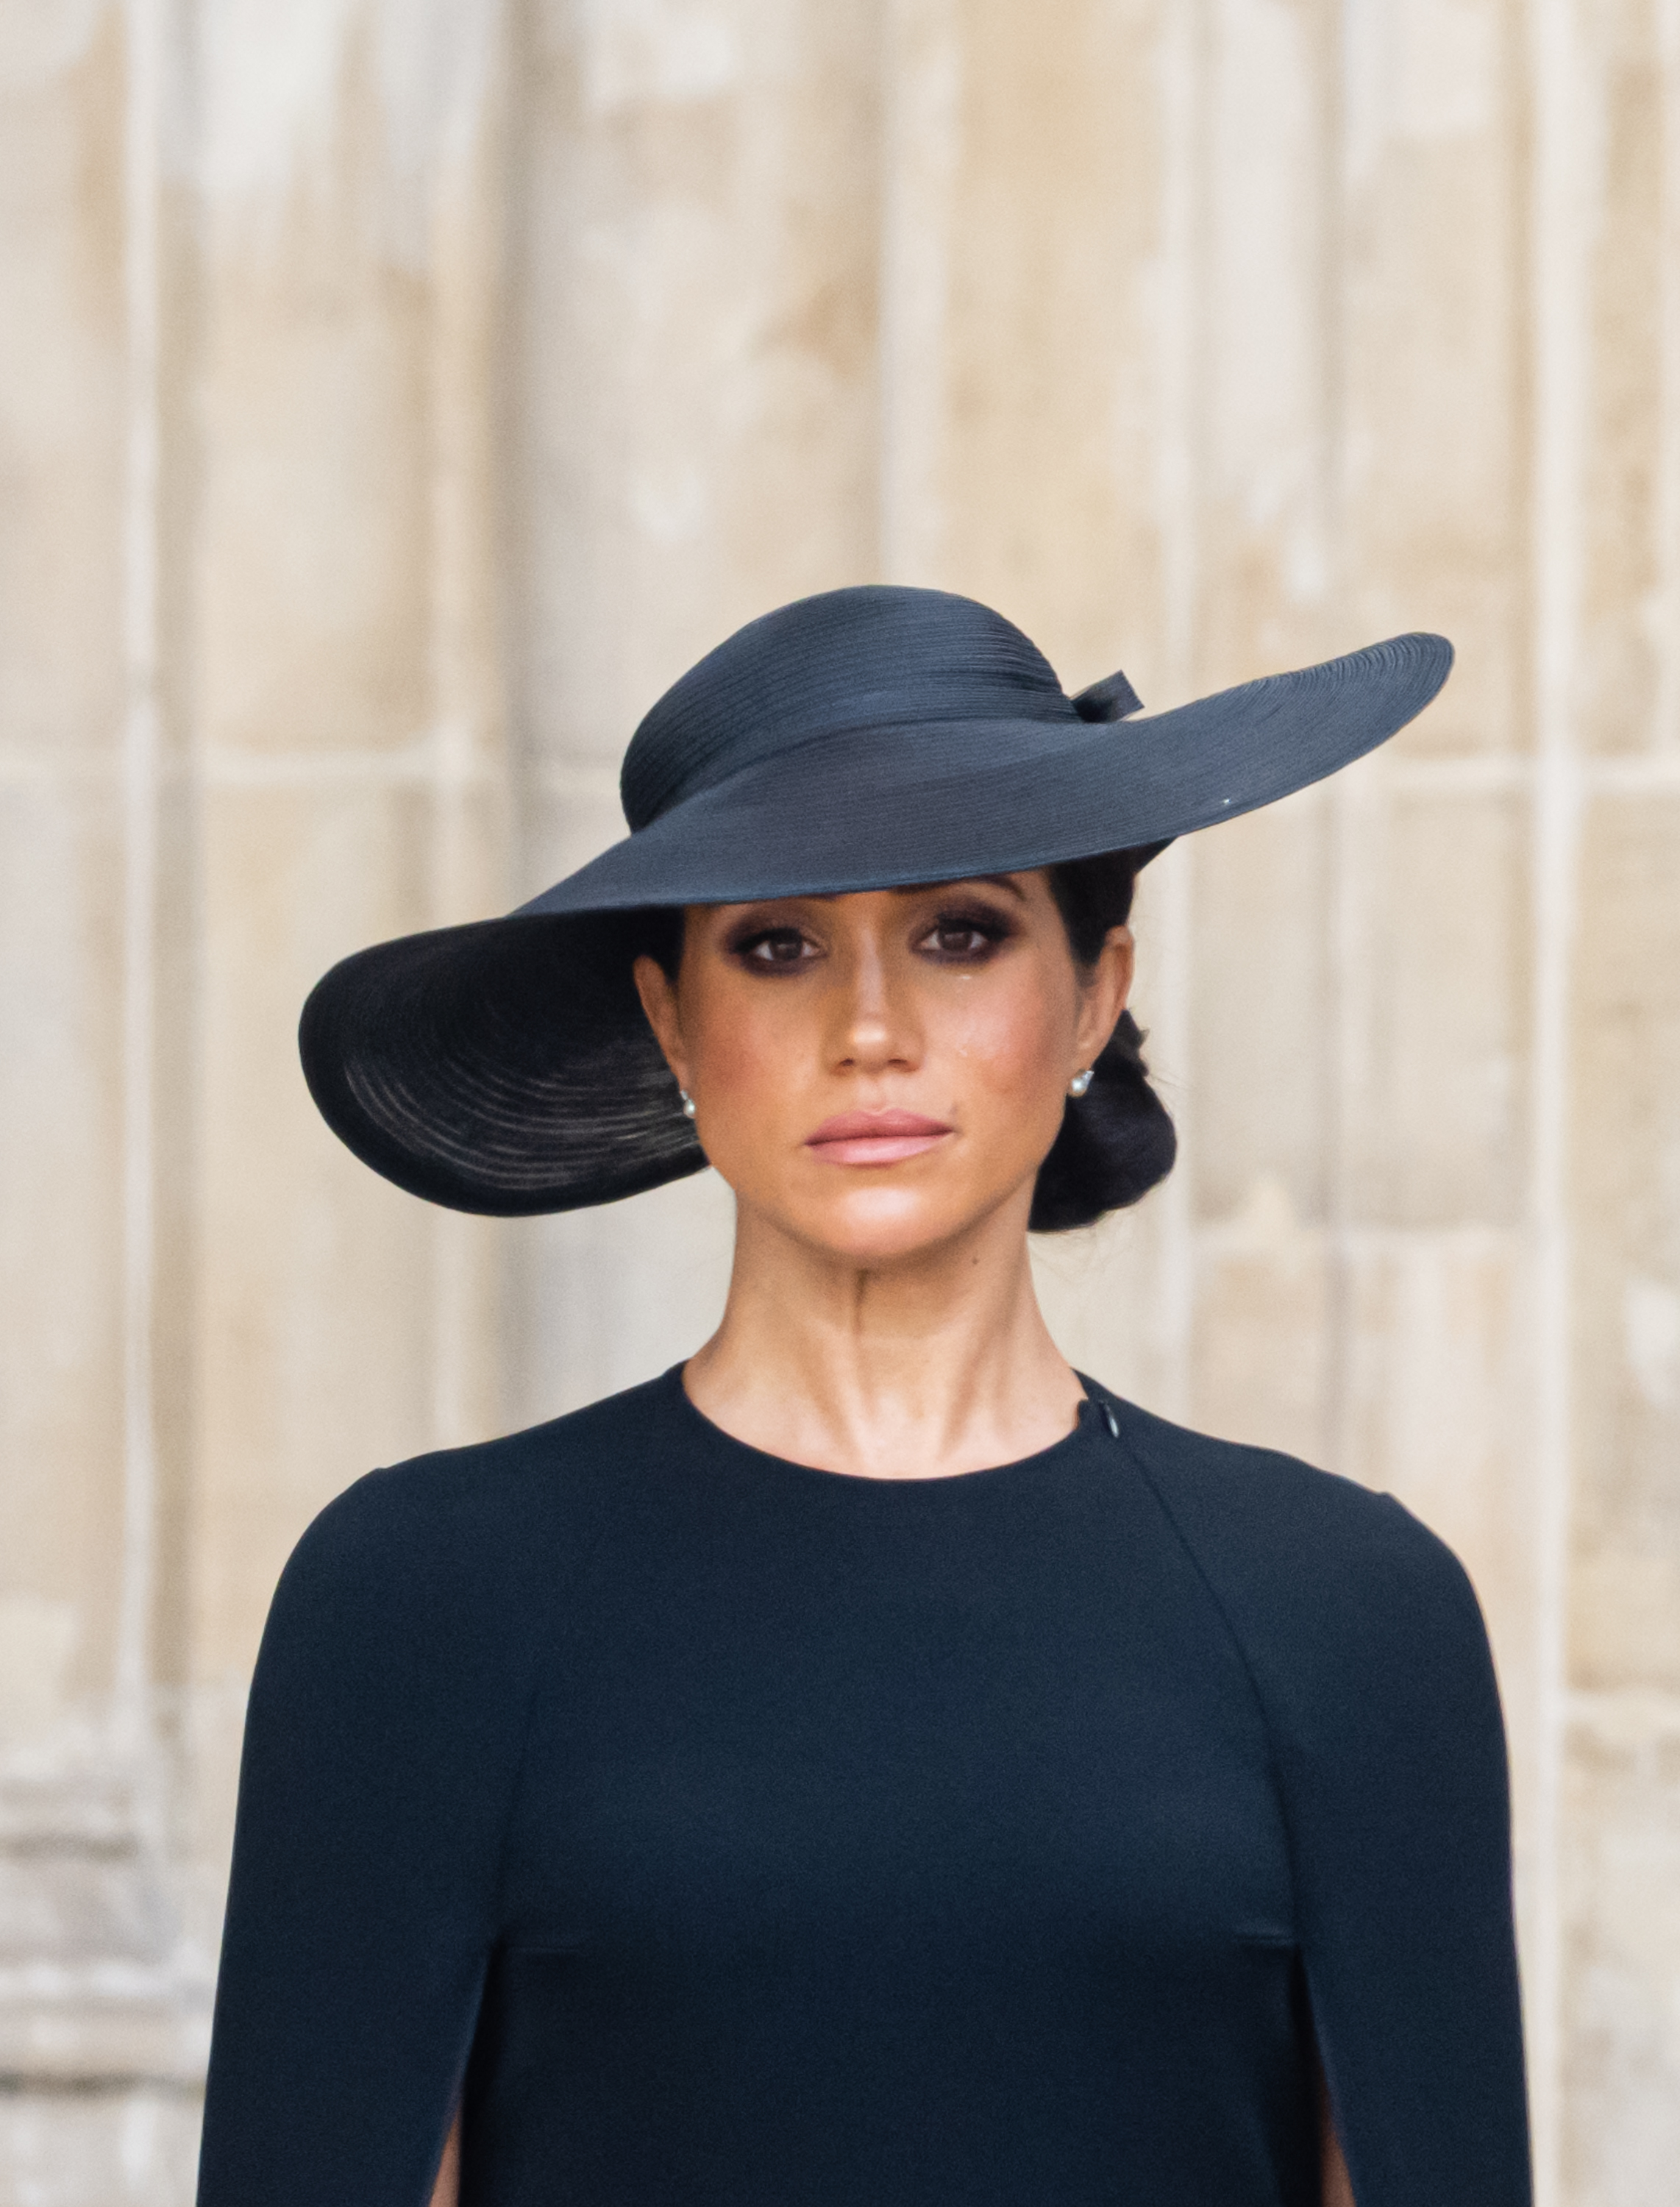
<point x="1268" y="1729"/>
<point x="1320" y="2051"/>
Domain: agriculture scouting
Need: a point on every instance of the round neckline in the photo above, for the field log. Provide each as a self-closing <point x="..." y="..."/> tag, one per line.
<point x="1089" y="1417"/>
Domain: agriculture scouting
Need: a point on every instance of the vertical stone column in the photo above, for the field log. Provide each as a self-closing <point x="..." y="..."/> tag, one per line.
<point x="345" y="678"/>
<point x="97" y="1992"/>
<point x="1429" y="927"/>
<point x="1607" y="554"/>
<point x="251" y="660"/>
<point x="62" y="689"/>
<point x="698" y="407"/>
<point x="1261" y="1188"/>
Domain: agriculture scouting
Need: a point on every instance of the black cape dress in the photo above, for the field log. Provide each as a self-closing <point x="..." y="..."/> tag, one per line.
<point x="722" y="1832"/>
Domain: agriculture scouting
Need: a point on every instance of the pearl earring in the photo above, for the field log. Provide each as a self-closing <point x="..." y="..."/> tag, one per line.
<point x="1081" y="1082"/>
<point x="688" y="1102"/>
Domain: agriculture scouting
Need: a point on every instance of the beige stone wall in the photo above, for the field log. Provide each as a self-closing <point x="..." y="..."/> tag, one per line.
<point x="396" y="394"/>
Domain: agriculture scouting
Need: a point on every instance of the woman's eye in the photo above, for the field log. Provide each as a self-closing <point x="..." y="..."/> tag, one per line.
<point x="781" y="946"/>
<point x="962" y="938"/>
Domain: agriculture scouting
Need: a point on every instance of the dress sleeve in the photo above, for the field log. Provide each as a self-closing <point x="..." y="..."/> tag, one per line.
<point x="381" y="1746"/>
<point x="1368" y="1653"/>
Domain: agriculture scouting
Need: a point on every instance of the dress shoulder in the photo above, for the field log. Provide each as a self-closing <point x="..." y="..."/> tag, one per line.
<point x="1367" y="1655"/>
<point x="1261" y="1493"/>
<point x="449" y="1532"/>
<point x="1324" y="1582"/>
<point x="384" y="1744"/>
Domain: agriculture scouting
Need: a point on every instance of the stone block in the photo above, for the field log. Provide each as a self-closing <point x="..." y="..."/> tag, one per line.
<point x="348" y="296"/>
<point x="328" y="1301"/>
<point x="100" y="1977"/>
<point x="1625" y="1187"/>
<point x="62" y="395"/>
<point x="1624" y="693"/>
<point x="1262" y="357"/>
<point x="1261" y="1339"/>
<point x="208" y="1723"/>
<point x="1621" y="1901"/>
<point x="61" y="1222"/>
<point x="99" y="2146"/>
<point x="1435" y="1408"/>
<point x="1022" y="352"/>
<point x="697" y="378"/>
<point x="1436" y="1027"/>
<point x="569" y="812"/>
<point x="314" y="425"/>
<point x="1260" y="1093"/>
<point x="1434" y="436"/>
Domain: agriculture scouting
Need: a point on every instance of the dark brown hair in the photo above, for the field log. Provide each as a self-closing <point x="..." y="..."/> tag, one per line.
<point x="1116" y="1140"/>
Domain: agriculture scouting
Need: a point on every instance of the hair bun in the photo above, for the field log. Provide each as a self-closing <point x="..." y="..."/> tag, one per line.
<point x="1117" y="1142"/>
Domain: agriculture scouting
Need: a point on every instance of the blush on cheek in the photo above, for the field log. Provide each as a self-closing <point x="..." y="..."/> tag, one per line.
<point x="1010" y="1045"/>
<point x="750" y="1072"/>
<point x="733" y="1062"/>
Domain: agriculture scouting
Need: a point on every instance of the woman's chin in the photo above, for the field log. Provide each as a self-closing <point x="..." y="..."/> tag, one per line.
<point x="886" y="1225"/>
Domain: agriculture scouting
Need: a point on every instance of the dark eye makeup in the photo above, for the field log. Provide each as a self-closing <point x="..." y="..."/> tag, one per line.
<point x="777" y="947"/>
<point x="967" y="934"/>
<point x="964" y="934"/>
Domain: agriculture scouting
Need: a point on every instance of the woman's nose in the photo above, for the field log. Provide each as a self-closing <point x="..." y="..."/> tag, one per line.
<point x="876" y="1025"/>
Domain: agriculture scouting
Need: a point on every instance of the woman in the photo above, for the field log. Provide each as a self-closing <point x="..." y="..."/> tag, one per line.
<point x="872" y="1764"/>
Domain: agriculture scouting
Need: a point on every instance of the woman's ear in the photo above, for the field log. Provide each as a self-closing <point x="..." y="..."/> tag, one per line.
<point x="658" y="1001"/>
<point x="1103" y="997"/>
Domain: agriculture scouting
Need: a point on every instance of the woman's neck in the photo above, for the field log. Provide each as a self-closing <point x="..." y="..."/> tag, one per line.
<point x="916" y="1368"/>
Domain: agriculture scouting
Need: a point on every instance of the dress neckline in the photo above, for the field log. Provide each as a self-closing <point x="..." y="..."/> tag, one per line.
<point x="1094" y="1421"/>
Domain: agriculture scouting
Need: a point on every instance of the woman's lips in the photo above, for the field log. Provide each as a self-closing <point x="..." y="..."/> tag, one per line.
<point x="874" y="1138"/>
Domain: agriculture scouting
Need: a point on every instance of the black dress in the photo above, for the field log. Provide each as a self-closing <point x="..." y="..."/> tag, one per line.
<point x="735" y="1834"/>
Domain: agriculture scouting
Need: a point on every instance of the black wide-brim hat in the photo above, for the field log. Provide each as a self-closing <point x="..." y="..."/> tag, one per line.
<point x="866" y="738"/>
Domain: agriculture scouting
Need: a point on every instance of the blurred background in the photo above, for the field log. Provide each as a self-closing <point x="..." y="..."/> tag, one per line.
<point x="395" y="395"/>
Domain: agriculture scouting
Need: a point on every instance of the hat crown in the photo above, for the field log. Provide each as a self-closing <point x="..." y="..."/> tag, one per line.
<point x="877" y="657"/>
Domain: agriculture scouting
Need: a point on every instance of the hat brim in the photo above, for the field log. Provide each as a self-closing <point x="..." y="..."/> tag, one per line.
<point x="505" y="1067"/>
<point x="937" y="801"/>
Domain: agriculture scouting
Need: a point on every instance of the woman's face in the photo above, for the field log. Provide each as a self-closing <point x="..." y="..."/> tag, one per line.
<point x="873" y="1074"/>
